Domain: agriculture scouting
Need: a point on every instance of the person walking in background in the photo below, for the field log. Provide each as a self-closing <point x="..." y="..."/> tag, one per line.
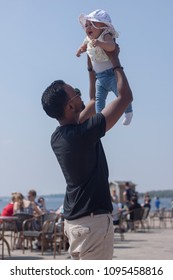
<point x="101" y="37"/>
<point x="78" y="149"/>
<point x="147" y="201"/>
<point x="147" y="196"/>
<point x="127" y="194"/>
<point x="157" y="203"/>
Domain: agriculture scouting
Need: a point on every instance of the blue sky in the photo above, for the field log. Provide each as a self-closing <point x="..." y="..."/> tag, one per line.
<point x="39" y="39"/>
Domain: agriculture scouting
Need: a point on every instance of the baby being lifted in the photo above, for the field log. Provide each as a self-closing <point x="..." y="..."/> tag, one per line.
<point x="101" y="37"/>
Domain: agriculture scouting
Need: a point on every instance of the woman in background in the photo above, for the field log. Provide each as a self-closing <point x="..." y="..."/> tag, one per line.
<point x="23" y="205"/>
<point x="8" y="209"/>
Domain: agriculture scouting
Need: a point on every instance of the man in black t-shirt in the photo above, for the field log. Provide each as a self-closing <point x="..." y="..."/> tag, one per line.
<point x="78" y="149"/>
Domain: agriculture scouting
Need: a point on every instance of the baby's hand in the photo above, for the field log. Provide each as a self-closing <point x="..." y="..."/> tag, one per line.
<point x="81" y="50"/>
<point x="95" y="42"/>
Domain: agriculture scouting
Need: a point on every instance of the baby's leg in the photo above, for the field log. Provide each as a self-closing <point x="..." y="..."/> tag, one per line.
<point x="101" y="94"/>
<point x="128" y="112"/>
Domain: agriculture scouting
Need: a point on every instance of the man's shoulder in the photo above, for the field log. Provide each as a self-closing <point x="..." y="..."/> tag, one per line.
<point x="96" y="123"/>
<point x="97" y="118"/>
<point x="92" y="128"/>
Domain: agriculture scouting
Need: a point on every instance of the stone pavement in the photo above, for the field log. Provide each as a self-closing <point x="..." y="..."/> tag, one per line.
<point x="155" y="244"/>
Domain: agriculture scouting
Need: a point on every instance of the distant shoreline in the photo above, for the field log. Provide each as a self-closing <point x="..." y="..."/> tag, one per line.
<point x="159" y="193"/>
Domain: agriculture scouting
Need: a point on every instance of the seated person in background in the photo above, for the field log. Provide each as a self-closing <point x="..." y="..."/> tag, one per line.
<point x="117" y="216"/>
<point x="115" y="213"/>
<point x="42" y="204"/>
<point x="133" y="206"/>
<point x="114" y="196"/>
<point x="60" y="212"/>
<point x="147" y="202"/>
<point x="22" y="205"/>
<point x="32" y="194"/>
<point x="8" y="209"/>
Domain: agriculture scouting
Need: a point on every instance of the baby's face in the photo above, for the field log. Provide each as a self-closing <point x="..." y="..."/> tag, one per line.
<point x="93" y="29"/>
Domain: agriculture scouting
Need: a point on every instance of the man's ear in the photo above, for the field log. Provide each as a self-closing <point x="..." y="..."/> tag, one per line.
<point x="70" y="106"/>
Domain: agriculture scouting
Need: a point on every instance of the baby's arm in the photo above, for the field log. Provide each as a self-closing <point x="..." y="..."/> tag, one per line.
<point x="81" y="50"/>
<point x="107" y="45"/>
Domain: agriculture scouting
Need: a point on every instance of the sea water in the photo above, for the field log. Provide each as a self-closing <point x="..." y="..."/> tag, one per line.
<point x="53" y="202"/>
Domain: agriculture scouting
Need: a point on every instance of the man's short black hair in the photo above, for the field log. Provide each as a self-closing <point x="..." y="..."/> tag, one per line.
<point x="54" y="100"/>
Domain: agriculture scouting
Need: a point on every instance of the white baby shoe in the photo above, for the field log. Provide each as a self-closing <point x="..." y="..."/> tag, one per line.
<point x="127" y="118"/>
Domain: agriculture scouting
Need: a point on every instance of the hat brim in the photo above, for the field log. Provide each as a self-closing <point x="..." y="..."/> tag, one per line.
<point x="83" y="18"/>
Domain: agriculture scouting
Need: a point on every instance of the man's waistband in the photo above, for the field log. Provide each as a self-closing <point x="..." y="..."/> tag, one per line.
<point x="99" y="212"/>
<point x="94" y="213"/>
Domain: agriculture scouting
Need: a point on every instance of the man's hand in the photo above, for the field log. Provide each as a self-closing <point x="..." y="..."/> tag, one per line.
<point x="113" y="56"/>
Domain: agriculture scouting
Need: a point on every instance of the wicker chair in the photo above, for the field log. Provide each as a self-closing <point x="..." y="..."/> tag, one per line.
<point x="60" y="240"/>
<point x="18" y="225"/>
<point x="134" y="222"/>
<point x="119" y="226"/>
<point x="39" y="228"/>
<point x="9" y="228"/>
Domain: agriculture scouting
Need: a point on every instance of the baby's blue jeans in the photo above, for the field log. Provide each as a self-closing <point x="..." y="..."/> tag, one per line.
<point x="105" y="82"/>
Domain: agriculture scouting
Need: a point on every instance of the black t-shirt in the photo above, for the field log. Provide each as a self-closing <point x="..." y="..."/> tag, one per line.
<point x="80" y="154"/>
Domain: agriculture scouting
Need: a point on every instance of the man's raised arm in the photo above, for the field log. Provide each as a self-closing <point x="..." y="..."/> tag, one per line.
<point x="114" y="110"/>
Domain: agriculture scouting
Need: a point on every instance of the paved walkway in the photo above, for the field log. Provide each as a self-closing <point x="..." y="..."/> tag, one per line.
<point x="157" y="244"/>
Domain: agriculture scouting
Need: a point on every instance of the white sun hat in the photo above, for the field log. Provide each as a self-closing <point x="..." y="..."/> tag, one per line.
<point x="97" y="16"/>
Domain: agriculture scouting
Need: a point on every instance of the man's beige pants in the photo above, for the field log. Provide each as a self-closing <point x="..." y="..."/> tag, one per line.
<point x="90" y="237"/>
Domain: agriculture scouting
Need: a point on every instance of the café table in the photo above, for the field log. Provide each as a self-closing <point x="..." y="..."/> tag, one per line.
<point x="3" y="221"/>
